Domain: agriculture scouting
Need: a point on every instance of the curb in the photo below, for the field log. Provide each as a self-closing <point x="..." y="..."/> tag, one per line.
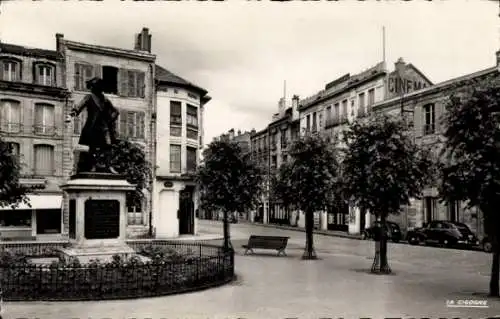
<point x="300" y="229"/>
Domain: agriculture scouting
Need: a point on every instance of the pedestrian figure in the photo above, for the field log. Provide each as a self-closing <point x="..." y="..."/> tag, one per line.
<point x="99" y="131"/>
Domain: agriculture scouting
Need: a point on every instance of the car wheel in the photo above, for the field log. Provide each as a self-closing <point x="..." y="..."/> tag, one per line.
<point x="487" y="247"/>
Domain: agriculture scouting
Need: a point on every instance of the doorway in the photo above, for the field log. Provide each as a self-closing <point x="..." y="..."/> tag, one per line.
<point x="186" y="211"/>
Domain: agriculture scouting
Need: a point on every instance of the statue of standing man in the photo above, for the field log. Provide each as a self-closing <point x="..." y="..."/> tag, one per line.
<point x="99" y="131"/>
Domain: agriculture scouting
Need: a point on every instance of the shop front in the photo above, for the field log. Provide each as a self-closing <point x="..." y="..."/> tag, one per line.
<point x="42" y="218"/>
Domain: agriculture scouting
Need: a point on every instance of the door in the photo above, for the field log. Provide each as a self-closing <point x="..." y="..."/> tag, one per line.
<point x="186" y="211"/>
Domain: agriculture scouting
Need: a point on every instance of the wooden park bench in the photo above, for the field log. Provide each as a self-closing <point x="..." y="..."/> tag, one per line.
<point x="267" y="242"/>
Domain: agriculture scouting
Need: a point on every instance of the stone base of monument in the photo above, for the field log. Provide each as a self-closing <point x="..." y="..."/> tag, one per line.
<point x="97" y="217"/>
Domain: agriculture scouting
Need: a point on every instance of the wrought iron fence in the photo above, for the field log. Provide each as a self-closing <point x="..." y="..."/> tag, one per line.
<point x="197" y="265"/>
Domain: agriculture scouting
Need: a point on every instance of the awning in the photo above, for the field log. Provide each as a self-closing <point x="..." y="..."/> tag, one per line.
<point x="40" y="202"/>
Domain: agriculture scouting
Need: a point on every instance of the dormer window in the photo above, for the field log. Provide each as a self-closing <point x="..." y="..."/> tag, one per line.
<point x="44" y="74"/>
<point x="11" y="70"/>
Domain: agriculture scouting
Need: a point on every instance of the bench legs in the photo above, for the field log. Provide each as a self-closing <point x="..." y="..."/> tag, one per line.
<point x="281" y="252"/>
<point x="247" y="250"/>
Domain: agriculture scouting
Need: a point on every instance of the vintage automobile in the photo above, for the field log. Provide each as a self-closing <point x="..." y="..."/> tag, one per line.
<point x="392" y="231"/>
<point x="486" y="244"/>
<point x="444" y="233"/>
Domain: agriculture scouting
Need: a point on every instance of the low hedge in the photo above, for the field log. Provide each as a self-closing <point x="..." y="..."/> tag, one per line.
<point x="168" y="271"/>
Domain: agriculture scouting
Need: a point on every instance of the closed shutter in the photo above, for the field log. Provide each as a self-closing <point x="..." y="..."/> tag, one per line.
<point x="123" y="124"/>
<point x="141" y="124"/>
<point x="78" y="76"/>
<point x="98" y="71"/>
<point x="141" y="84"/>
<point x="123" y="79"/>
<point x="131" y="124"/>
<point x="44" y="160"/>
<point x="132" y="85"/>
<point x="39" y="117"/>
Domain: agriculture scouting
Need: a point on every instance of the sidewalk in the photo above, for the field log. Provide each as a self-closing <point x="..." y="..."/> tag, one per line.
<point x="331" y="233"/>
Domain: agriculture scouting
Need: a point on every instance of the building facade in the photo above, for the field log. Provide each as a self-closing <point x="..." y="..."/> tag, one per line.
<point x="32" y="105"/>
<point x="128" y="77"/>
<point x="179" y="138"/>
<point x="344" y="100"/>
<point x="424" y="110"/>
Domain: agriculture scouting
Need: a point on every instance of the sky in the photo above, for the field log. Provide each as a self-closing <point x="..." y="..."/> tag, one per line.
<point x="243" y="51"/>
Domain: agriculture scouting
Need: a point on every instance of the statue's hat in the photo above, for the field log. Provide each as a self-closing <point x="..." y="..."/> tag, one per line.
<point x="95" y="82"/>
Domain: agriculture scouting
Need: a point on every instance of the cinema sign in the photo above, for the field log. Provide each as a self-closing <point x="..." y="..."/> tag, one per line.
<point x="411" y="80"/>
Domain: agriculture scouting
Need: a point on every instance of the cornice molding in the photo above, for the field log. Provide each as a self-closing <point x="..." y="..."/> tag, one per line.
<point x="131" y="54"/>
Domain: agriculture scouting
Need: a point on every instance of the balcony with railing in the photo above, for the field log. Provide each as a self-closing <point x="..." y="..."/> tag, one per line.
<point x="10" y="127"/>
<point x="44" y="130"/>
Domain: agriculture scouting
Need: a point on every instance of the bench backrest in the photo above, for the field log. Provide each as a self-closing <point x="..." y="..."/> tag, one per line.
<point x="271" y="242"/>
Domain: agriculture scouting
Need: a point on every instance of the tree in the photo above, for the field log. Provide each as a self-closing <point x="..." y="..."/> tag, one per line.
<point x="129" y="160"/>
<point x="382" y="169"/>
<point x="308" y="182"/>
<point x="12" y="193"/>
<point x="470" y="169"/>
<point x="228" y="181"/>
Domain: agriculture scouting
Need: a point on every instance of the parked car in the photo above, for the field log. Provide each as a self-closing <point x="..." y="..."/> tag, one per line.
<point x="392" y="231"/>
<point x="445" y="233"/>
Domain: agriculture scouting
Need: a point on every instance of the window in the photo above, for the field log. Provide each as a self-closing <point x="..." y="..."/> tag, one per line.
<point x="308" y="122"/>
<point x="314" y="124"/>
<point x="329" y="113"/>
<point x="78" y="123"/>
<point x="361" y="98"/>
<point x="10" y="116"/>
<point x="429" y="114"/>
<point x="44" y="119"/>
<point x="283" y="140"/>
<point x="48" y="221"/>
<point x="371" y="97"/>
<point x="136" y="83"/>
<point x="191" y="159"/>
<point x="11" y="70"/>
<point x="110" y="79"/>
<point x="344" y="110"/>
<point x="83" y="73"/>
<point x="15" y="150"/>
<point x="44" y="74"/>
<point x="285" y="158"/>
<point x="336" y="111"/>
<point x="191" y="134"/>
<point x="134" y="210"/>
<point x="44" y="160"/>
<point x="175" y="112"/>
<point x="192" y="115"/>
<point x="175" y="158"/>
<point x="175" y="131"/>
<point x="429" y="207"/>
<point x="19" y="218"/>
<point x="132" y="124"/>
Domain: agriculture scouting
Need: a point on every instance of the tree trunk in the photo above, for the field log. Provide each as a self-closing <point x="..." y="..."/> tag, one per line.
<point x="227" y="238"/>
<point x="362" y="220"/>
<point x="380" y="262"/>
<point x="309" y="252"/>
<point x="495" y="267"/>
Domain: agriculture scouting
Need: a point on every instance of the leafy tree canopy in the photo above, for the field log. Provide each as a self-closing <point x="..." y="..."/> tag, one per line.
<point x="382" y="167"/>
<point x="228" y="179"/>
<point x="11" y="192"/>
<point x="310" y="180"/>
<point x="129" y="160"/>
<point x="471" y="171"/>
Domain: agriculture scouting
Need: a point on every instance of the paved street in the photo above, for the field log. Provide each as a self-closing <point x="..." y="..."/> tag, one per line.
<point x="336" y="286"/>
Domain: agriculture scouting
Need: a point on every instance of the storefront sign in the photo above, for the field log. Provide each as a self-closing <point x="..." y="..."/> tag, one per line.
<point x="102" y="219"/>
<point x="399" y="85"/>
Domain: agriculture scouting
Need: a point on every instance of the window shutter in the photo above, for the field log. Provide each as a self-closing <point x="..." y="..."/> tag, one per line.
<point x="123" y="78"/>
<point x="123" y="124"/>
<point x="132" y="84"/>
<point x="141" y="84"/>
<point x="141" y="124"/>
<point x="131" y="125"/>
<point x="78" y="76"/>
<point x="98" y="71"/>
<point x="35" y="73"/>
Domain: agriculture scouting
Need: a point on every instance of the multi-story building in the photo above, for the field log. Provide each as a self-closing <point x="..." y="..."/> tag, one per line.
<point x="241" y="138"/>
<point x="32" y="105"/>
<point x="39" y="88"/>
<point x="180" y="106"/>
<point x="343" y="100"/>
<point x="270" y="149"/>
<point x="426" y="108"/>
<point x="128" y="77"/>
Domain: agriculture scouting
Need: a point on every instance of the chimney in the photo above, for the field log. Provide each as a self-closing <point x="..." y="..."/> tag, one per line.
<point x="59" y="39"/>
<point x="231" y="133"/>
<point x="295" y="107"/>
<point x="143" y="41"/>
<point x="400" y="66"/>
<point x="239" y="132"/>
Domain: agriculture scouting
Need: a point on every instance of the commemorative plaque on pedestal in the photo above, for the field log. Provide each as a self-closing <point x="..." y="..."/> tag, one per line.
<point x="97" y="216"/>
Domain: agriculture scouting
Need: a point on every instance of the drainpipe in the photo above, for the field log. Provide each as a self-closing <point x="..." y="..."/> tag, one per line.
<point x="152" y="132"/>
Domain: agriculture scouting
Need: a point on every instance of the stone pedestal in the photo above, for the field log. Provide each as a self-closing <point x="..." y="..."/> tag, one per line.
<point x="97" y="216"/>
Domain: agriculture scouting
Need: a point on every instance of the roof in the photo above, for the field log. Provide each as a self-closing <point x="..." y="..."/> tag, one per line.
<point x="436" y="87"/>
<point x="26" y="51"/>
<point x="164" y="75"/>
<point x="419" y="72"/>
